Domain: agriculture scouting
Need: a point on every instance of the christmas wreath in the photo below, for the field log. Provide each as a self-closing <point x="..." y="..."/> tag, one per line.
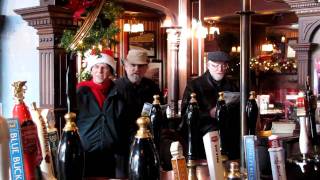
<point x="98" y="30"/>
<point x="103" y="28"/>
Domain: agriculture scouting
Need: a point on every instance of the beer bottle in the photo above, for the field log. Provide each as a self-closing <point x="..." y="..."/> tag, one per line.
<point x="252" y="113"/>
<point x="221" y="116"/>
<point x="70" y="155"/>
<point x="192" y="120"/>
<point x="156" y="120"/>
<point x="144" y="160"/>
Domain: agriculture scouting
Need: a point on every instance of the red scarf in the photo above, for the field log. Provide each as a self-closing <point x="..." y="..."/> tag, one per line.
<point x="98" y="90"/>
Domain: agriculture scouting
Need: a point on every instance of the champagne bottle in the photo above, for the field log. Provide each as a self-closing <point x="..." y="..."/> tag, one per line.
<point x="192" y="118"/>
<point x="144" y="160"/>
<point x="46" y="165"/>
<point x="30" y="142"/>
<point x="156" y="121"/>
<point x="221" y="116"/>
<point x="252" y="113"/>
<point x="4" y="151"/>
<point x="178" y="161"/>
<point x="70" y="157"/>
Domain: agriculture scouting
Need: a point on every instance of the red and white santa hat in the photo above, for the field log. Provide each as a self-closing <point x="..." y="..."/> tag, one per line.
<point x="106" y="56"/>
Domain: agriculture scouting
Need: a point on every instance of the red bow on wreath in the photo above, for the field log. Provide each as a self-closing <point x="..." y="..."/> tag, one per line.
<point x="80" y="7"/>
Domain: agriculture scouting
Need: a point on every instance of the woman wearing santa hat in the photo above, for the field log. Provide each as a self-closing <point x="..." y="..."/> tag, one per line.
<point x="97" y="104"/>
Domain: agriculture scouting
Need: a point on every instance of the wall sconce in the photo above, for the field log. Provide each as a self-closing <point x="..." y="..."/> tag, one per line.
<point x="133" y="28"/>
<point x="268" y="47"/>
<point x="283" y="39"/>
<point x="235" y="49"/>
<point x="214" y="30"/>
<point x="198" y="30"/>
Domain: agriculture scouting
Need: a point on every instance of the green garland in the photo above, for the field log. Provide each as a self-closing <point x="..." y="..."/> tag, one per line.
<point x="103" y="32"/>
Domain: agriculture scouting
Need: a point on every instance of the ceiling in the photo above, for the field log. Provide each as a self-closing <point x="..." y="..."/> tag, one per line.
<point x="266" y="12"/>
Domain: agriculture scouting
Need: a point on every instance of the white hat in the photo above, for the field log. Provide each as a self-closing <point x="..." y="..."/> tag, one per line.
<point x="136" y="56"/>
<point x="106" y="57"/>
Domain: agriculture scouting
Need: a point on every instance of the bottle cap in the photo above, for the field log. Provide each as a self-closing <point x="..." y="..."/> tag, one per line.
<point x="156" y="99"/>
<point x="274" y="141"/>
<point x="193" y="98"/>
<point x="143" y="123"/>
<point x="70" y="122"/>
<point x="252" y="95"/>
<point x="19" y="90"/>
<point x="221" y="96"/>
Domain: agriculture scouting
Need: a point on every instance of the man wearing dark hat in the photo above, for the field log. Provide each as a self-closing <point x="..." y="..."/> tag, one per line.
<point x="207" y="87"/>
<point x="134" y="89"/>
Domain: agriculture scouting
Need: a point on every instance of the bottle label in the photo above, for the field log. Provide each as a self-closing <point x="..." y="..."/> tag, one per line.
<point x="53" y="141"/>
<point x="211" y="143"/>
<point x="29" y="134"/>
<point x="15" y="149"/>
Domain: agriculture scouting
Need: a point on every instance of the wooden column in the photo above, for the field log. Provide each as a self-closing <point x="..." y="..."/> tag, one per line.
<point x="50" y="21"/>
<point x="304" y="62"/>
<point x="173" y="67"/>
<point x="308" y="12"/>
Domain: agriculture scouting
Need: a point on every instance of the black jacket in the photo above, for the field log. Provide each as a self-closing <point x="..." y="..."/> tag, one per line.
<point x="98" y="129"/>
<point x="134" y="96"/>
<point x="206" y="89"/>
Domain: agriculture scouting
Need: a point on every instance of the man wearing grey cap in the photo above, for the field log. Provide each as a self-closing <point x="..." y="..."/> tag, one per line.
<point x="134" y="90"/>
<point x="207" y="87"/>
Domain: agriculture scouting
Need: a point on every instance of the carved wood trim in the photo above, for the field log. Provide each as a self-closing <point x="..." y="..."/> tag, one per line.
<point x="308" y="27"/>
<point x="303" y="55"/>
<point x="50" y="22"/>
<point x="301" y="3"/>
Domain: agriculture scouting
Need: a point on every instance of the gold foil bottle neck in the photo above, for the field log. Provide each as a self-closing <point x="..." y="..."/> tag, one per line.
<point x="70" y="122"/>
<point x="193" y="98"/>
<point x="143" y="123"/>
<point x="19" y="90"/>
<point x="221" y="96"/>
<point x="252" y="95"/>
<point x="156" y="99"/>
<point x="234" y="171"/>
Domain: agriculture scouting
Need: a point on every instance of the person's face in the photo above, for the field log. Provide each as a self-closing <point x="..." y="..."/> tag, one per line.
<point x="217" y="69"/>
<point x="100" y="72"/>
<point x="135" y="72"/>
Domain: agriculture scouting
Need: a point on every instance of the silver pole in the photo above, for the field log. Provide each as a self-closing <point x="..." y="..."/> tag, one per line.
<point x="245" y="42"/>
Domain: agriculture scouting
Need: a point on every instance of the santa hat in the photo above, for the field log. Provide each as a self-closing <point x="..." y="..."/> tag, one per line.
<point x="106" y="57"/>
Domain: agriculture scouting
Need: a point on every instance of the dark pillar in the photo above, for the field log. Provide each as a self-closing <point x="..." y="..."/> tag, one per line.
<point x="245" y="42"/>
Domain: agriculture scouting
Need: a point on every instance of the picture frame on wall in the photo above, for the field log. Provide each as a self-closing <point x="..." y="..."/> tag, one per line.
<point x="143" y="41"/>
<point x="154" y="72"/>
